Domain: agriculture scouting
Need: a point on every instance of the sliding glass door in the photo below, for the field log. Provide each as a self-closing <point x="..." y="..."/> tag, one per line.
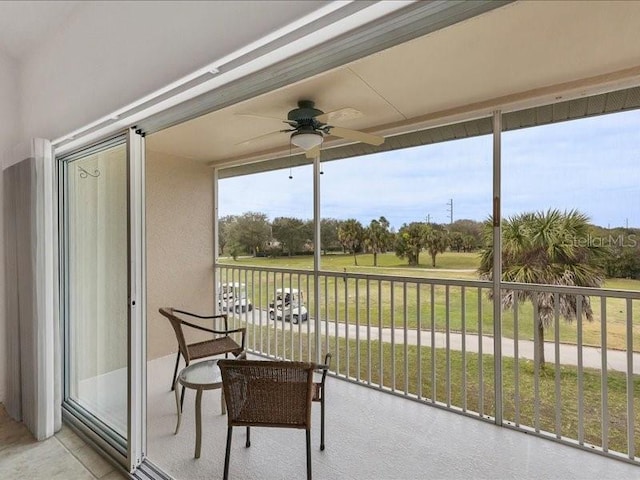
<point x="101" y="230"/>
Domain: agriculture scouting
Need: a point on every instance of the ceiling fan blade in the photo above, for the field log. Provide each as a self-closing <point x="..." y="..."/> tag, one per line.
<point x="340" y="115"/>
<point x="260" y="137"/>
<point x="312" y="153"/>
<point x="356" y="136"/>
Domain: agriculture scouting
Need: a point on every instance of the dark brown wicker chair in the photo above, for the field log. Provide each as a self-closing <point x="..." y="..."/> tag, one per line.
<point x="267" y="394"/>
<point x="208" y="348"/>
<point x="319" y="393"/>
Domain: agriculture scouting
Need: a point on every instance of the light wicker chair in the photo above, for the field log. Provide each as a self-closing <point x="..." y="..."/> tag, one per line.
<point x="207" y="348"/>
<point x="267" y="394"/>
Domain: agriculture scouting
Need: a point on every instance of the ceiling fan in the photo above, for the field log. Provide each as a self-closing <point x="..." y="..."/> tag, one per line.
<point x="309" y="127"/>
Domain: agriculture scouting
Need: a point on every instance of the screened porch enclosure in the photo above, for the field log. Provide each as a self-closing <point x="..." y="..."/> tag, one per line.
<point x="429" y="340"/>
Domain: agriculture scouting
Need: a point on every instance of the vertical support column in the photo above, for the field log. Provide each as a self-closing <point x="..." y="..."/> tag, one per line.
<point x="317" y="245"/>
<point x="216" y="246"/>
<point x="137" y="300"/>
<point x="47" y="362"/>
<point x="497" y="266"/>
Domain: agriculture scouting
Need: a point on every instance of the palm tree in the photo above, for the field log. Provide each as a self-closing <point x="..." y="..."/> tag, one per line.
<point x="546" y="248"/>
<point x="436" y="240"/>
<point x="351" y="235"/>
<point x="378" y="237"/>
<point x="410" y="242"/>
<point x="456" y="241"/>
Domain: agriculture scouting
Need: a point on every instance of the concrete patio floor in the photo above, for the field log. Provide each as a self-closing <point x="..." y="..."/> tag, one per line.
<point x="370" y="435"/>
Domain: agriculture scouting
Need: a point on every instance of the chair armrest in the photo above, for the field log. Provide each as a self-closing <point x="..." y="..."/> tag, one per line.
<point x="210" y="330"/>
<point x="327" y="363"/>
<point x="244" y="332"/>
<point x="226" y="330"/>
<point x="199" y="327"/>
<point x="324" y="367"/>
<point x="235" y="330"/>
<point x="205" y="317"/>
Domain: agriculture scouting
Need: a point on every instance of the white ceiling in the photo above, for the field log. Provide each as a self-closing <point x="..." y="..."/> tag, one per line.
<point x="514" y="49"/>
<point x="25" y="24"/>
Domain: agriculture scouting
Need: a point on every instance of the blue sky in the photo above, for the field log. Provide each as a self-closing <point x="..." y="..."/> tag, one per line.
<point x="592" y="165"/>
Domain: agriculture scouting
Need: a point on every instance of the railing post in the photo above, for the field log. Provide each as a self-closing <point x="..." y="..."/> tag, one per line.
<point x="497" y="267"/>
<point x="631" y="443"/>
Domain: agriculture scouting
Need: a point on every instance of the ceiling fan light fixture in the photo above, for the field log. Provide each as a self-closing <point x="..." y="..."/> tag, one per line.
<point x="306" y="140"/>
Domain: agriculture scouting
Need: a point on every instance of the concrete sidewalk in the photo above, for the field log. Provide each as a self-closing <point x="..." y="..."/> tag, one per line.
<point x="592" y="357"/>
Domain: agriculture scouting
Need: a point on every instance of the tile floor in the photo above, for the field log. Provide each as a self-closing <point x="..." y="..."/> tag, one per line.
<point x="63" y="457"/>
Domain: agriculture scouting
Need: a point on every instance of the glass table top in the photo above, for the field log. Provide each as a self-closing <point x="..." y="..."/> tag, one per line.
<point x="201" y="373"/>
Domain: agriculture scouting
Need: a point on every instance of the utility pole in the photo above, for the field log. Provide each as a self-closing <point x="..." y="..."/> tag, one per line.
<point x="626" y="222"/>
<point x="450" y="210"/>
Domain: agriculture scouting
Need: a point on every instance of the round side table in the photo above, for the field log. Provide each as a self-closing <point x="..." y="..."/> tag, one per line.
<point x="199" y="377"/>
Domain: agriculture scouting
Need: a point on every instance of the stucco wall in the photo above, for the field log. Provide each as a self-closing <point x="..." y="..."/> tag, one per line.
<point x="9" y="119"/>
<point x="179" y="244"/>
<point x="9" y="114"/>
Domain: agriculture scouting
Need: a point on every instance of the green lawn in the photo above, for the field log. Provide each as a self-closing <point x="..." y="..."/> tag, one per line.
<point x="478" y="312"/>
<point x="337" y="262"/>
<point x="463" y="388"/>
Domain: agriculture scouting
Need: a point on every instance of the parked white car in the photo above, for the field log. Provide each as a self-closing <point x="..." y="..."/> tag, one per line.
<point x="288" y="305"/>
<point x="233" y="297"/>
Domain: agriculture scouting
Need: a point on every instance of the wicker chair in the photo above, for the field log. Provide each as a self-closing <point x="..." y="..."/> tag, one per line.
<point x="267" y="394"/>
<point x="207" y="348"/>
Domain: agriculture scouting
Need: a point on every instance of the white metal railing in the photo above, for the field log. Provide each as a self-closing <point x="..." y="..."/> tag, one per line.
<point x="431" y="340"/>
<point x="603" y="418"/>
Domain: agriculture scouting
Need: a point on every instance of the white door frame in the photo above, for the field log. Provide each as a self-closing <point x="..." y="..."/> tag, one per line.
<point x="131" y="454"/>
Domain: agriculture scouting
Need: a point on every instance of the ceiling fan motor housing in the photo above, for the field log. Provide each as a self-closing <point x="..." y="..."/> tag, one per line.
<point x="305" y="115"/>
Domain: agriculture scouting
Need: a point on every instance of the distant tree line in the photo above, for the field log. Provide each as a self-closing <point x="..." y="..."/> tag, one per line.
<point x="623" y="250"/>
<point x="252" y="233"/>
